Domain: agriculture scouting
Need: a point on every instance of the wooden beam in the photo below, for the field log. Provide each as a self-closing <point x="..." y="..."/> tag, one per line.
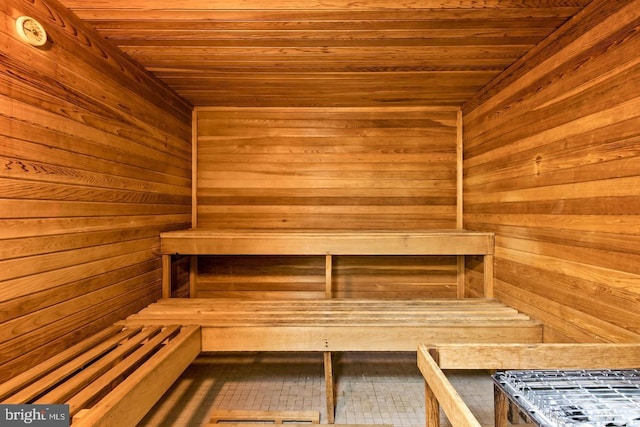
<point x="539" y="356"/>
<point x="488" y="275"/>
<point x="328" y="277"/>
<point x="448" y="398"/>
<point x="166" y="276"/>
<point x="330" y="388"/>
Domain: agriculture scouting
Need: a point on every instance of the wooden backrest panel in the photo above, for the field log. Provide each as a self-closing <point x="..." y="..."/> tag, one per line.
<point x="330" y="169"/>
<point x="319" y="168"/>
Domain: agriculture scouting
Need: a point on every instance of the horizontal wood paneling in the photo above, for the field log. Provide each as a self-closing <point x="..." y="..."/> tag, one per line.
<point x="326" y="53"/>
<point x="326" y="168"/>
<point x="552" y="163"/>
<point x="96" y="162"/>
<point x="271" y="277"/>
<point x="330" y="169"/>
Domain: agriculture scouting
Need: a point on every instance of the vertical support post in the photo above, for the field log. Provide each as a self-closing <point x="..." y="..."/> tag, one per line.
<point x="166" y="276"/>
<point x="461" y="290"/>
<point x="194" y="168"/>
<point x="432" y="407"/>
<point x="488" y="275"/>
<point x="328" y="356"/>
<point x="328" y="278"/>
<point x="501" y="407"/>
<point x="193" y="260"/>
<point x="459" y="172"/>
<point x="330" y="390"/>
<point x="193" y="276"/>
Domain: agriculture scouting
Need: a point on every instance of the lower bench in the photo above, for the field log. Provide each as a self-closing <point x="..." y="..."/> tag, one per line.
<point x="433" y="359"/>
<point x="112" y="378"/>
<point x="336" y="325"/>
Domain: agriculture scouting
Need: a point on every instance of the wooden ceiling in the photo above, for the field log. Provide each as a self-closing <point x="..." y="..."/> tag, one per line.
<point x="326" y="52"/>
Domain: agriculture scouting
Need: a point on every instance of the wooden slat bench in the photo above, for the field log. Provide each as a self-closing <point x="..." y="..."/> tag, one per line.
<point x="455" y="242"/>
<point x="433" y="359"/>
<point x="334" y="325"/>
<point x="112" y="378"/>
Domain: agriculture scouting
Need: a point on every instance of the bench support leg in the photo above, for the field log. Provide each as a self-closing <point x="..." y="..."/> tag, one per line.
<point x="432" y="407"/>
<point x="328" y="380"/>
<point x="488" y="276"/>
<point x="501" y="407"/>
<point x="166" y="276"/>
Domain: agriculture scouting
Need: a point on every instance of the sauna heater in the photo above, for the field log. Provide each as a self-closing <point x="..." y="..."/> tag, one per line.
<point x="576" y="398"/>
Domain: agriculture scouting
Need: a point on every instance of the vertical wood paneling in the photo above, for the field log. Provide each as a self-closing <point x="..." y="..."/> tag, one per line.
<point x="339" y="168"/>
<point x="552" y="165"/>
<point x="95" y="158"/>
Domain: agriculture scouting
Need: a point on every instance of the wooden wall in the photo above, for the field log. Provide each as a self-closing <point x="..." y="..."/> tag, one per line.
<point x="326" y="168"/>
<point x="552" y="165"/>
<point x="96" y="161"/>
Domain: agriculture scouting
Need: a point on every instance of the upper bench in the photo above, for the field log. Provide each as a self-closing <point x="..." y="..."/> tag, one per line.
<point x="328" y="243"/>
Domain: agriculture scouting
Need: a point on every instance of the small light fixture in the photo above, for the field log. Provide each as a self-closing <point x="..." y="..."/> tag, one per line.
<point x="31" y="31"/>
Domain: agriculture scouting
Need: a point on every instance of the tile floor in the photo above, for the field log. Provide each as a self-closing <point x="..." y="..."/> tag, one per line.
<point x="371" y="388"/>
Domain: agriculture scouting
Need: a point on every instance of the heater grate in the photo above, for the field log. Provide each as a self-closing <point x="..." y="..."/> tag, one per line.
<point x="584" y="398"/>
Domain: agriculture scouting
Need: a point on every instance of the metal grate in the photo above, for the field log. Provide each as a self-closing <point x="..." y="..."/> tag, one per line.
<point x="582" y="398"/>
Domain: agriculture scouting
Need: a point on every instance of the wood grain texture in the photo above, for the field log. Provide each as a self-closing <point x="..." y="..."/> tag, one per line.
<point x="552" y="167"/>
<point x="326" y="53"/>
<point x="95" y="163"/>
<point x="315" y="168"/>
<point x="342" y="324"/>
<point x="320" y="168"/>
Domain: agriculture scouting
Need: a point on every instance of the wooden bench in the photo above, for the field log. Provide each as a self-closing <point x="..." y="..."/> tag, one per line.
<point x="112" y="378"/>
<point x="334" y="325"/>
<point x="328" y="244"/>
<point x="433" y="359"/>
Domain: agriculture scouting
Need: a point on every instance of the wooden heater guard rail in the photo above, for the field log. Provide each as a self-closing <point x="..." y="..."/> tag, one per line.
<point x="335" y="325"/>
<point x="329" y="243"/>
<point x="439" y="392"/>
<point x="112" y="378"/>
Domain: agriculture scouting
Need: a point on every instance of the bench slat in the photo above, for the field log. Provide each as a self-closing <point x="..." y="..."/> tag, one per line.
<point x="54" y="377"/>
<point x="34" y="374"/>
<point x="135" y="396"/>
<point x="110" y="378"/>
<point x="73" y="385"/>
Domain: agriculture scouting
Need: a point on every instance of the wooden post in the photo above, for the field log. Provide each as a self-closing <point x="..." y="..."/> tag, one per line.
<point x="500" y="407"/>
<point x="330" y="390"/>
<point x="166" y="276"/>
<point x="432" y="407"/>
<point x="328" y="278"/>
<point x="193" y="276"/>
<point x="461" y="291"/>
<point x="328" y="357"/>
<point x="488" y="276"/>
